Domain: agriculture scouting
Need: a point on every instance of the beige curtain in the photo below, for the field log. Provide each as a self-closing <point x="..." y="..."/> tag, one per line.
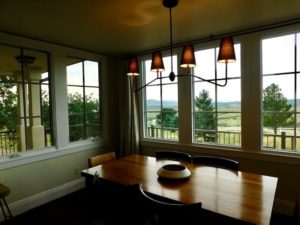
<point x="129" y="140"/>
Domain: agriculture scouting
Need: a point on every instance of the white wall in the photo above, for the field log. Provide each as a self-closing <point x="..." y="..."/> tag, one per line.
<point x="38" y="176"/>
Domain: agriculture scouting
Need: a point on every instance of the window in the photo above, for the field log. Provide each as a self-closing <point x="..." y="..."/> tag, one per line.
<point x="280" y="92"/>
<point x="83" y="81"/>
<point x="25" y="102"/>
<point x="161" y="103"/>
<point x="217" y="110"/>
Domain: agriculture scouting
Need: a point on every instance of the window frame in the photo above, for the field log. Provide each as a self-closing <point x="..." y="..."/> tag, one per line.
<point x="251" y="105"/>
<point x="25" y="83"/>
<point x="295" y="73"/>
<point x="143" y="97"/>
<point x="214" y="46"/>
<point x="100" y="99"/>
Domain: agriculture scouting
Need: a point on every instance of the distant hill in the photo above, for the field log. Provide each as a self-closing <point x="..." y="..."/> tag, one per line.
<point x="155" y="104"/>
<point x="229" y="104"/>
<point x="291" y="101"/>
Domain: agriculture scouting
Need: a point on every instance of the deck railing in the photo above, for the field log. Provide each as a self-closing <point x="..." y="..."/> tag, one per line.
<point x="280" y="141"/>
<point x="8" y="143"/>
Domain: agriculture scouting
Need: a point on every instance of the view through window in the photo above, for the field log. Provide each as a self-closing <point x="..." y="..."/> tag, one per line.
<point x="25" y="103"/>
<point x="83" y="81"/>
<point x="217" y="110"/>
<point x="280" y="92"/>
<point x="161" y="103"/>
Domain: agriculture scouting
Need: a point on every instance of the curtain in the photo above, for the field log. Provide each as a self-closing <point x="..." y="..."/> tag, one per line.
<point x="129" y="140"/>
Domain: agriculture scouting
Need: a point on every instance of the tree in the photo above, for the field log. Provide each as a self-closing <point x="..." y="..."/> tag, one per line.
<point x="77" y="108"/>
<point x="278" y="112"/>
<point x="45" y="110"/>
<point x="169" y="118"/>
<point x="8" y="105"/>
<point x="205" y="117"/>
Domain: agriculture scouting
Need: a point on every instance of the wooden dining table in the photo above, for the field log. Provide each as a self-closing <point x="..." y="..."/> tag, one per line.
<point x="241" y="195"/>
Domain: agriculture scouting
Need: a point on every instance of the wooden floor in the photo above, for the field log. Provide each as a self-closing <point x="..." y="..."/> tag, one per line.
<point x="73" y="209"/>
<point x="78" y="209"/>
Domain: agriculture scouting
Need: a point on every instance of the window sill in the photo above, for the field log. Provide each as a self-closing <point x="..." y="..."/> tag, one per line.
<point x="23" y="158"/>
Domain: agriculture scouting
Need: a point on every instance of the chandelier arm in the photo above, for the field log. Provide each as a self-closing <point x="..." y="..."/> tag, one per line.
<point x="171" y="39"/>
<point x="215" y="81"/>
<point x="150" y="82"/>
<point x="136" y="90"/>
<point x="211" y="81"/>
<point x="217" y="84"/>
<point x="226" y="78"/>
<point x="161" y="78"/>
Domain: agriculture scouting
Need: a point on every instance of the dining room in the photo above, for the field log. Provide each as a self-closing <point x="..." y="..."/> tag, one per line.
<point x="79" y="80"/>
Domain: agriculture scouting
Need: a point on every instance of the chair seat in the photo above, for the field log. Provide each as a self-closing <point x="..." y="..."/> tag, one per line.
<point x="4" y="191"/>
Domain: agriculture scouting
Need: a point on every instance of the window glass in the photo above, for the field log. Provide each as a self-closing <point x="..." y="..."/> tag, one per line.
<point x="75" y="74"/>
<point x="278" y="54"/>
<point x="91" y="72"/>
<point x="280" y="90"/>
<point x="25" y="102"/>
<point x="161" y="103"/>
<point x="205" y="63"/>
<point x="217" y="110"/>
<point x="83" y="99"/>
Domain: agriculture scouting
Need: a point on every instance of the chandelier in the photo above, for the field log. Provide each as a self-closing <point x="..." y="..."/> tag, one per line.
<point x="226" y="55"/>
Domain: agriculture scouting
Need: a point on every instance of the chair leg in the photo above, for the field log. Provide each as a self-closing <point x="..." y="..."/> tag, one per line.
<point x="8" y="210"/>
<point x="4" y="214"/>
<point x="3" y="210"/>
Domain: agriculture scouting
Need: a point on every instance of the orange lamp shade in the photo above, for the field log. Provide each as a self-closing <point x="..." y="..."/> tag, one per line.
<point x="226" y="51"/>
<point x="157" y="64"/>
<point x="188" y="57"/>
<point x="133" y="67"/>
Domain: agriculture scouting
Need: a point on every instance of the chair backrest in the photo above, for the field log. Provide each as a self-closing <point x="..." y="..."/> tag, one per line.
<point x="139" y="207"/>
<point x="217" y="162"/>
<point x="155" y="210"/>
<point x="100" y="159"/>
<point x="173" y="155"/>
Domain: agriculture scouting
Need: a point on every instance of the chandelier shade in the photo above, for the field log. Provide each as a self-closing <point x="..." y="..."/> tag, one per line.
<point x="188" y="57"/>
<point x="226" y="51"/>
<point x="157" y="64"/>
<point x="133" y="67"/>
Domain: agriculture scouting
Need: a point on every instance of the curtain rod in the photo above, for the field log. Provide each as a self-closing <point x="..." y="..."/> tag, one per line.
<point x="219" y="36"/>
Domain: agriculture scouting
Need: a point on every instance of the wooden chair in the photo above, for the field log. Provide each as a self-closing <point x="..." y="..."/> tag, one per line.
<point x="145" y="208"/>
<point x="173" y="155"/>
<point x="220" y="162"/>
<point x="100" y="159"/>
<point x="4" y="191"/>
<point x="100" y="190"/>
<point x="155" y="210"/>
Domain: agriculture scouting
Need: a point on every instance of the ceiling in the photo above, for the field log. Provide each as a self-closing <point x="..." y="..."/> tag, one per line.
<point x="115" y="27"/>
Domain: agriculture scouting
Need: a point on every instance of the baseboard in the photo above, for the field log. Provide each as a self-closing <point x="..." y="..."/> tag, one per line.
<point x="284" y="207"/>
<point x="36" y="200"/>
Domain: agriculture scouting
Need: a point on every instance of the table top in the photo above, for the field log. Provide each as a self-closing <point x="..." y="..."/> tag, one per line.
<point x="241" y="195"/>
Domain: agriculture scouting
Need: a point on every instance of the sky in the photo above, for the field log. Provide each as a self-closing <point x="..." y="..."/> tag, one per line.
<point x="75" y="77"/>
